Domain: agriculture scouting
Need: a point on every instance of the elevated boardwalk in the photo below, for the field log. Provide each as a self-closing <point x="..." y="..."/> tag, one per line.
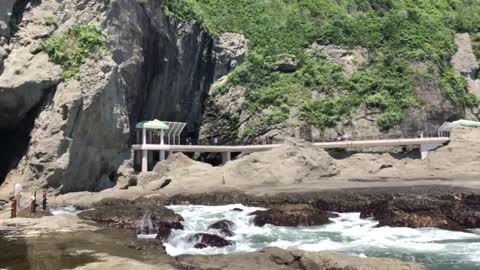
<point x="266" y="147"/>
<point x="426" y="144"/>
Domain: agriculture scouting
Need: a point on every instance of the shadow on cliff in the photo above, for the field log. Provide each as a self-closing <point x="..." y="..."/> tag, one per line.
<point x="14" y="141"/>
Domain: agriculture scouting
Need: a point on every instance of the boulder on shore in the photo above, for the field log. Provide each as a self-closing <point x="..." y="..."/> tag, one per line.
<point x="165" y="230"/>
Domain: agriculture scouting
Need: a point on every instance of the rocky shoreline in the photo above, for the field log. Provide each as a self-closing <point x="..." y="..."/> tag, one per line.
<point x="444" y="208"/>
<point x="450" y="208"/>
<point x="304" y="187"/>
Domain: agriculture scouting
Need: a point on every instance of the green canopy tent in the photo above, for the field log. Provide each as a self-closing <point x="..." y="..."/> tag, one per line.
<point x="153" y="124"/>
<point x="467" y="123"/>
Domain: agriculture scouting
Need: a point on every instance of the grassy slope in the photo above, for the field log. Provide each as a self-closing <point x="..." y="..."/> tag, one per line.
<point x="396" y="32"/>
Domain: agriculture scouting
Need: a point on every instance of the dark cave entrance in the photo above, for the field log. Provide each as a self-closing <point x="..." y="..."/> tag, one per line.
<point x="13" y="144"/>
<point x="14" y="141"/>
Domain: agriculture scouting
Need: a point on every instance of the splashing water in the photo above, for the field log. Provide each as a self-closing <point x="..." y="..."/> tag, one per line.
<point x="437" y="249"/>
<point x="146" y="228"/>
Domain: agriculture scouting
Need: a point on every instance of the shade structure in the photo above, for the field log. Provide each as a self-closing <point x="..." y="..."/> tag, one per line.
<point x="154" y="124"/>
<point x="174" y="132"/>
<point x="466" y="123"/>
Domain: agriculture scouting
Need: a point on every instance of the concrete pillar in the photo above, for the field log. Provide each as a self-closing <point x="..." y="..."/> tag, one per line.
<point x="144" y="152"/>
<point x="162" y="155"/>
<point x="144" y="161"/>
<point x="426" y="148"/>
<point x="161" y="136"/>
<point x="226" y="157"/>
<point x="144" y="136"/>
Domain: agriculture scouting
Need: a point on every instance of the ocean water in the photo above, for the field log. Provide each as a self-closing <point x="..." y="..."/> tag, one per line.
<point x="435" y="248"/>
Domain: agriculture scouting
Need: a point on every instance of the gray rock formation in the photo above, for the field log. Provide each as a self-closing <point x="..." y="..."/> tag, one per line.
<point x="6" y="9"/>
<point x="156" y="67"/>
<point x="351" y="60"/>
<point x="287" y="63"/>
<point x="275" y="259"/>
<point x="466" y="63"/>
<point x="230" y="51"/>
<point x="226" y="119"/>
<point x="464" y="60"/>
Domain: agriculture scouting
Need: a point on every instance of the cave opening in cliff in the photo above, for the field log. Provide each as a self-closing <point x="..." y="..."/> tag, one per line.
<point x="14" y="143"/>
<point x="14" y="140"/>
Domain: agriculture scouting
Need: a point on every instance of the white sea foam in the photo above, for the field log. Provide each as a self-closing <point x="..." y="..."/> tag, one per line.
<point x="69" y="210"/>
<point x="347" y="233"/>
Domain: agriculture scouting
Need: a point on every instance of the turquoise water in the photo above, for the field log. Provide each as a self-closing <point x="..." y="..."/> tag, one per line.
<point x="437" y="249"/>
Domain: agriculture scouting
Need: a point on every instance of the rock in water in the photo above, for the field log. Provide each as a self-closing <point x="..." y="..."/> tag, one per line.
<point x="210" y="240"/>
<point x="165" y="230"/>
<point x="128" y="215"/>
<point x="291" y="217"/>
<point x="456" y="213"/>
<point x="200" y="246"/>
<point x="224" y="226"/>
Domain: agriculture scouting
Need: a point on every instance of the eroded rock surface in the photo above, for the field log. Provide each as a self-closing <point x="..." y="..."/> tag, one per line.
<point x="292" y="163"/>
<point x="464" y="60"/>
<point x="283" y="216"/>
<point x="275" y="259"/>
<point x="154" y="67"/>
<point x="230" y="51"/>
<point x="452" y="212"/>
<point x="130" y="215"/>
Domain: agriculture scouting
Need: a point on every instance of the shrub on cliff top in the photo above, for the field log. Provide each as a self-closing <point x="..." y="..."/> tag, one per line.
<point x="72" y="48"/>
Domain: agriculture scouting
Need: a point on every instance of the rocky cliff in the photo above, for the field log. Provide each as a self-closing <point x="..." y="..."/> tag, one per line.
<point x="301" y="76"/>
<point x="73" y="134"/>
<point x="227" y="118"/>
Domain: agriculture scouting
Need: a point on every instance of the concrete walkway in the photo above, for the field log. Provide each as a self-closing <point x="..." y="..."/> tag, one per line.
<point x="426" y="145"/>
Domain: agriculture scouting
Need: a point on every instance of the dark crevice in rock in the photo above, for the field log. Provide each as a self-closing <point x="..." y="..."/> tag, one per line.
<point x="178" y="78"/>
<point x="166" y="183"/>
<point x="171" y="77"/>
<point x="17" y="13"/>
<point x="14" y="141"/>
<point x="475" y="74"/>
<point x="179" y="70"/>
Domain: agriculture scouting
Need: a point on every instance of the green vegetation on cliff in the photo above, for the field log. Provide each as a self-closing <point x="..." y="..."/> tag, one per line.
<point x="396" y="33"/>
<point x="73" y="47"/>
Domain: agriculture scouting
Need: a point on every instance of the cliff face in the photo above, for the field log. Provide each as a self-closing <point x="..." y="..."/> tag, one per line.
<point x="155" y="67"/>
<point x="74" y="134"/>
<point x="227" y="119"/>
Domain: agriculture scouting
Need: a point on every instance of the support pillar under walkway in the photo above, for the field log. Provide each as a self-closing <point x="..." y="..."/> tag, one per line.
<point x="226" y="157"/>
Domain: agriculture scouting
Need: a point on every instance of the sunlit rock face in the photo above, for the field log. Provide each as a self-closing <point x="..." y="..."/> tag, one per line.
<point x="79" y="131"/>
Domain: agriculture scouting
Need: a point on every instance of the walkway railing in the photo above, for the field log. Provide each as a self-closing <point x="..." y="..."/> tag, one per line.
<point x="426" y="144"/>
